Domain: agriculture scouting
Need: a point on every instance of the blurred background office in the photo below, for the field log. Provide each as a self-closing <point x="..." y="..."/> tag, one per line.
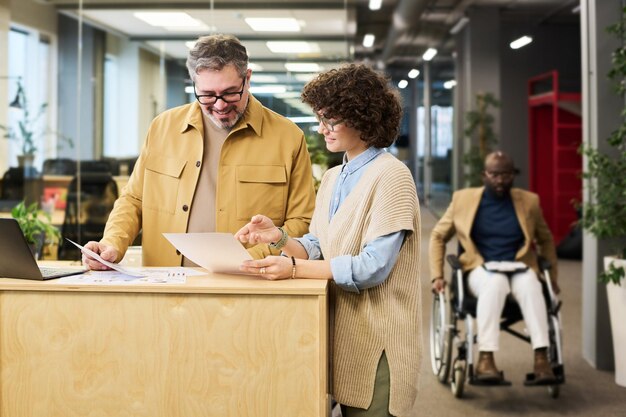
<point x="80" y="82"/>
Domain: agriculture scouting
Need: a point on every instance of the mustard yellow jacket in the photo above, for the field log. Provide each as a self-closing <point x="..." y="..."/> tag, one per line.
<point x="459" y="219"/>
<point x="264" y="168"/>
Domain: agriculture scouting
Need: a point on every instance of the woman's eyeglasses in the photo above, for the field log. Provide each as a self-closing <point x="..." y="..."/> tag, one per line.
<point x="330" y="125"/>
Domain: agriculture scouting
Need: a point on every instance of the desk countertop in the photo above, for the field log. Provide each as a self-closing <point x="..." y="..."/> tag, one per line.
<point x="207" y="284"/>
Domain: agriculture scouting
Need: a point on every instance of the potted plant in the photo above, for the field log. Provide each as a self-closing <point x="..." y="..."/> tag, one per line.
<point x="29" y="129"/>
<point x="36" y="226"/>
<point x="482" y="136"/>
<point x="321" y="158"/>
<point x="604" y="215"/>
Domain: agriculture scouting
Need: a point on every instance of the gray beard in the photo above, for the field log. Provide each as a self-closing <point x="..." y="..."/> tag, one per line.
<point x="227" y="126"/>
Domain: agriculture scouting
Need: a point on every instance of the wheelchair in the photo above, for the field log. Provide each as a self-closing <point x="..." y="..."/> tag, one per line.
<point x="451" y="349"/>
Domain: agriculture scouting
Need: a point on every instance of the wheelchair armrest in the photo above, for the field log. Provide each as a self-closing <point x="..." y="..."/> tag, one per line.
<point x="544" y="264"/>
<point x="454" y="262"/>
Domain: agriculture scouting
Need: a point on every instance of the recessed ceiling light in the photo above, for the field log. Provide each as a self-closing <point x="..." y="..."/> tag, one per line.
<point x="403" y="84"/>
<point x="303" y="67"/>
<point x="172" y="19"/>
<point x="375" y="4"/>
<point x="449" y="84"/>
<point x="267" y="89"/>
<point x="254" y="67"/>
<point x="292" y="47"/>
<point x="429" y="54"/>
<point x="523" y="41"/>
<point x="305" y="78"/>
<point x="368" y="40"/>
<point x="273" y="24"/>
<point x="189" y="89"/>
<point x="264" y="78"/>
<point x="288" y="94"/>
<point x="414" y="73"/>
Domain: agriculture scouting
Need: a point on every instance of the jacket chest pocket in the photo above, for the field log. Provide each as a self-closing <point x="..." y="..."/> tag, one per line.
<point x="161" y="183"/>
<point x="261" y="190"/>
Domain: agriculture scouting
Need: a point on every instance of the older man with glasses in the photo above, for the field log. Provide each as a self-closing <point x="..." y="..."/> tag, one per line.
<point x="210" y="165"/>
<point x="495" y="224"/>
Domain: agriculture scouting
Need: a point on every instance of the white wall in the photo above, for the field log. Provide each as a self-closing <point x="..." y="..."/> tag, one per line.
<point x="35" y="15"/>
<point x="4" y="66"/>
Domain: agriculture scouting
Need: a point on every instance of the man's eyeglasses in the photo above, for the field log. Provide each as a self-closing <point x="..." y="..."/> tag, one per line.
<point x="505" y="175"/>
<point x="327" y="123"/>
<point x="226" y="97"/>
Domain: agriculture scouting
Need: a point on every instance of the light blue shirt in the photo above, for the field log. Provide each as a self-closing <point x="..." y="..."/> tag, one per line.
<point x="372" y="266"/>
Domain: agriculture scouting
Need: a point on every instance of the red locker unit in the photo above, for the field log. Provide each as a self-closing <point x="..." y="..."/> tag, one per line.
<point x="555" y="134"/>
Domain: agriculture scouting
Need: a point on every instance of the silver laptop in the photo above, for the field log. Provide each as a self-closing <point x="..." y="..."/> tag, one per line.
<point x="17" y="261"/>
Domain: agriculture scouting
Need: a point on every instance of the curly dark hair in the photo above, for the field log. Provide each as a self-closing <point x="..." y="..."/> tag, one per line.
<point x="360" y="96"/>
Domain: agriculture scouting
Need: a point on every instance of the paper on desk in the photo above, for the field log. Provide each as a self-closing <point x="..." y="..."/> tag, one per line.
<point x="174" y="275"/>
<point x="216" y="252"/>
<point x="111" y="265"/>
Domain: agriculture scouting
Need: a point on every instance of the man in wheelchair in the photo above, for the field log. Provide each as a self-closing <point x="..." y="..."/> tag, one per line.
<point x="497" y="228"/>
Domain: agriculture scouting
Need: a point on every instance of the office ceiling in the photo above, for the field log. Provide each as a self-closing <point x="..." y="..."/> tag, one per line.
<point x="403" y="29"/>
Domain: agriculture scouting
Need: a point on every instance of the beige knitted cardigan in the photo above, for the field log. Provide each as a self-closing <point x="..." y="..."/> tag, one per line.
<point x="385" y="317"/>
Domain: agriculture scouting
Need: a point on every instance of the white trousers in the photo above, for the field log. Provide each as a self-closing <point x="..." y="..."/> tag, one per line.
<point x="491" y="289"/>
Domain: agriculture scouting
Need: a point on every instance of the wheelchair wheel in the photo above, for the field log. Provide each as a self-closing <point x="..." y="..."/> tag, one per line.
<point x="554" y="391"/>
<point x="458" y="378"/>
<point x="440" y="338"/>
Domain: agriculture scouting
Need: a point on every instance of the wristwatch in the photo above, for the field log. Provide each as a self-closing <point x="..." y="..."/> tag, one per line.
<point x="282" y="241"/>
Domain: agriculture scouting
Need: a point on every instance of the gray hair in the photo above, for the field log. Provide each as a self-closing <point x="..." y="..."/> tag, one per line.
<point x="214" y="52"/>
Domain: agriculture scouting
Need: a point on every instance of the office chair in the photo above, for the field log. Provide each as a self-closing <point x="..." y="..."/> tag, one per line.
<point x="59" y="166"/>
<point x="96" y="166"/>
<point x="20" y="184"/>
<point x="98" y="192"/>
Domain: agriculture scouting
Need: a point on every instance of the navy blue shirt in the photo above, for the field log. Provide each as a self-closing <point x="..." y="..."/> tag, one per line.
<point x="496" y="231"/>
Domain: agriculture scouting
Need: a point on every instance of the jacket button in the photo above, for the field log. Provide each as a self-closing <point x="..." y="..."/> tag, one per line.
<point x="198" y="164"/>
<point x="177" y="252"/>
<point x="185" y="207"/>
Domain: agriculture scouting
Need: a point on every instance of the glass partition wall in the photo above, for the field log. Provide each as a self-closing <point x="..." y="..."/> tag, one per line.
<point x="83" y="92"/>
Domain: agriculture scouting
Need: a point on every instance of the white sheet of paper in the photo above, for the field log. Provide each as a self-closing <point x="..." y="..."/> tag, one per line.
<point x="505" y="266"/>
<point x="216" y="252"/>
<point x="111" y="265"/>
<point x="158" y="275"/>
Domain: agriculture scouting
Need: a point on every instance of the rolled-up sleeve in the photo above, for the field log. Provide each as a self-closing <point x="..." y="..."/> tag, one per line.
<point x="311" y="245"/>
<point x="370" y="267"/>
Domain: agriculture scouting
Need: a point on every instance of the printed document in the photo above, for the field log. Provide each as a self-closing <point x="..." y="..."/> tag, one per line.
<point x="216" y="252"/>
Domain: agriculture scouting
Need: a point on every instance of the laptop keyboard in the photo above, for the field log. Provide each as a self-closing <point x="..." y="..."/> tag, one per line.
<point x="53" y="271"/>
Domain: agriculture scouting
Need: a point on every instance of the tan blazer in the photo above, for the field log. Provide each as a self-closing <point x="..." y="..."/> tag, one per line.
<point x="459" y="218"/>
<point x="264" y="168"/>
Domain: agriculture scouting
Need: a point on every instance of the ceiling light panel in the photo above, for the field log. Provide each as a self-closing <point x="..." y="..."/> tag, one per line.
<point x="520" y="42"/>
<point x="293" y="47"/>
<point x="303" y="67"/>
<point x="414" y="73"/>
<point x="375" y="4"/>
<point x="368" y="40"/>
<point x="273" y="24"/>
<point x="264" y="78"/>
<point x="171" y="19"/>
<point x="429" y="54"/>
<point x="267" y="89"/>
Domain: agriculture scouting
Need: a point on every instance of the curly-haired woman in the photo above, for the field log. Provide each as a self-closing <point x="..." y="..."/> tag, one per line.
<point x="364" y="236"/>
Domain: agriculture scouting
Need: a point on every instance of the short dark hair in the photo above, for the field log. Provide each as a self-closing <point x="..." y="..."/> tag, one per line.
<point x="360" y="96"/>
<point x="214" y="52"/>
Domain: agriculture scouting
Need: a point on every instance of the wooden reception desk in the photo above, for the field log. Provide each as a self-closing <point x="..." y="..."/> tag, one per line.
<point x="218" y="345"/>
